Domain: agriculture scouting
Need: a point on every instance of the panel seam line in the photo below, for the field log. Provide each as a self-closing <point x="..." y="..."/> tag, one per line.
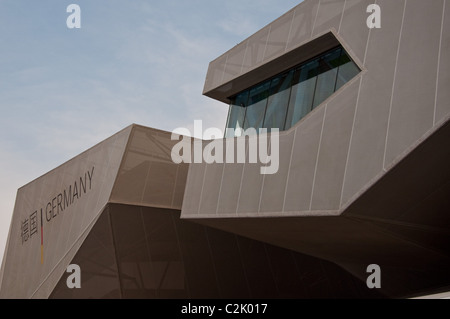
<point x="315" y="20"/>
<point x="290" y="31"/>
<point x="393" y="87"/>
<point x="342" y="17"/>
<point x="317" y="158"/>
<point x="289" y="170"/>
<point x="350" y="142"/>
<point x="438" y="65"/>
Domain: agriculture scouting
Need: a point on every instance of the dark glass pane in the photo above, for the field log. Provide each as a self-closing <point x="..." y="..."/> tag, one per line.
<point x="347" y="70"/>
<point x="237" y="113"/>
<point x="330" y="60"/>
<point x="302" y="94"/>
<point x="326" y="80"/>
<point x="278" y="101"/>
<point x="236" y="120"/>
<point x="257" y="106"/>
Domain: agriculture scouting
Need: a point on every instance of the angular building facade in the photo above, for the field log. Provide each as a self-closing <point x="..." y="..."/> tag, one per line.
<point x="363" y="176"/>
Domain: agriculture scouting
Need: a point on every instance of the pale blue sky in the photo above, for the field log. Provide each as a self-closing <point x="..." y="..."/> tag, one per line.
<point x="64" y="90"/>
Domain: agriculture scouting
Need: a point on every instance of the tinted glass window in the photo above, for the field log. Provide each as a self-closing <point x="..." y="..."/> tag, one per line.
<point x="277" y="105"/>
<point x="237" y="113"/>
<point x="302" y="94"/>
<point x="347" y="70"/>
<point x="282" y="101"/>
<point x="256" y="108"/>
<point x="326" y="80"/>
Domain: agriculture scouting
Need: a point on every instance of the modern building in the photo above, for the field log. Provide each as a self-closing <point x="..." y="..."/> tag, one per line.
<point x="363" y="176"/>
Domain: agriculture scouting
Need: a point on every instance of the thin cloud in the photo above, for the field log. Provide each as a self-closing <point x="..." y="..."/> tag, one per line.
<point x="238" y="26"/>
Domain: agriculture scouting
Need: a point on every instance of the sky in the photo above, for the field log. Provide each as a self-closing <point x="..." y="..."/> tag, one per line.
<point x="142" y="61"/>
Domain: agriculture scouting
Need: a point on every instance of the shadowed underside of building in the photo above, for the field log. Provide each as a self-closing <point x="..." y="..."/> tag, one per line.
<point x="145" y="252"/>
<point x="363" y="176"/>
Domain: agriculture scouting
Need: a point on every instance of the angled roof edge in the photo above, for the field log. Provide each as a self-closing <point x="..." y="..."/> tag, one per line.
<point x="302" y="53"/>
<point x="129" y="127"/>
